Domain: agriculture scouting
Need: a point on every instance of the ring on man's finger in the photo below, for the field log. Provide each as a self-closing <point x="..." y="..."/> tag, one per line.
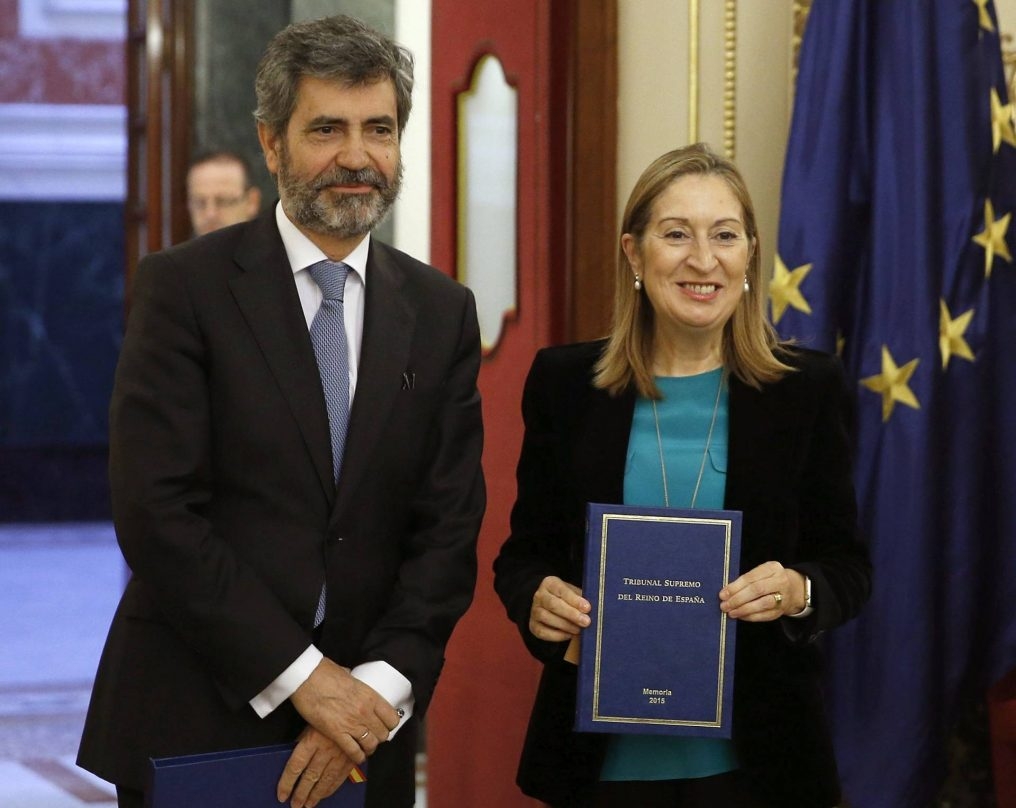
<point x="366" y="732"/>
<point x="778" y="598"/>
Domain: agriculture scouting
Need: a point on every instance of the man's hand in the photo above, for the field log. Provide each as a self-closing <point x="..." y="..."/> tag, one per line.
<point x="314" y="771"/>
<point x="345" y="710"/>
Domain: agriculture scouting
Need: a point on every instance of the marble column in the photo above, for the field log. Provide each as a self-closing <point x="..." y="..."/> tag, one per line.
<point x="230" y="36"/>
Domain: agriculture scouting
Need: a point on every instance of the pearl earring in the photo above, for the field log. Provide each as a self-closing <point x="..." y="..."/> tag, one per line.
<point x="747" y="286"/>
<point x="638" y="283"/>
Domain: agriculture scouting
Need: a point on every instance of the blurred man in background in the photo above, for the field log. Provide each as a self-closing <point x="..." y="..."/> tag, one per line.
<point x="220" y="191"/>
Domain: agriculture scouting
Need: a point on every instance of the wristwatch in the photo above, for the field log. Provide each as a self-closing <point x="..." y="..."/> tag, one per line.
<point x="807" y="599"/>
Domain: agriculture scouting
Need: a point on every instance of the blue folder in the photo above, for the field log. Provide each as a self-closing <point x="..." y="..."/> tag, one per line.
<point x="658" y="657"/>
<point x="243" y="778"/>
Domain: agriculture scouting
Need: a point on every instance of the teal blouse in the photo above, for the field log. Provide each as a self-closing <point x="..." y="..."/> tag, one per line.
<point x="685" y="414"/>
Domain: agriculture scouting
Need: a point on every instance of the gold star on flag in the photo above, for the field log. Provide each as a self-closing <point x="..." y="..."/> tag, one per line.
<point x="992" y="238"/>
<point x="950" y="335"/>
<point x="784" y="289"/>
<point x="983" y="17"/>
<point x="1001" y="122"/>
<point x="893" y="384"/>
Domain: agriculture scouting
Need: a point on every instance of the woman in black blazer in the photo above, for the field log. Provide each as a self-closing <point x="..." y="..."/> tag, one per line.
<point x="772" y="442"/>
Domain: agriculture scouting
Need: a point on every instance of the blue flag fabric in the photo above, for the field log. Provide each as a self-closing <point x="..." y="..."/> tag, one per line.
<point x="894" y="250"/>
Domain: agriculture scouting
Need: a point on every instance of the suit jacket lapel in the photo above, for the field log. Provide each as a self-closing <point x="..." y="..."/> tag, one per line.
<point x="603" y="452"/>
<point x="267" y="297"/>
<point x="742" y="426"/>
<point x="760" y="429"/>
<point x="388" y="327"/>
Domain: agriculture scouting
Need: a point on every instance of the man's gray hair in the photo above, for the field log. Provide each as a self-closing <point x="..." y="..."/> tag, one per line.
<point x="339" y="48"/>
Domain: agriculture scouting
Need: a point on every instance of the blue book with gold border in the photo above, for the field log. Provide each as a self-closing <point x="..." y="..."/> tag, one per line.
<point x="242" y="778"/>
<point x="658" y="657"/>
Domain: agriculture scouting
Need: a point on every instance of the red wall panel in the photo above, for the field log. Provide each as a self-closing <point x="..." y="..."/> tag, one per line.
<point x="478" y="719"/>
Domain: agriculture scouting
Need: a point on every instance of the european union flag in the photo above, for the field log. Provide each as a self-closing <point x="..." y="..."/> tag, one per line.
<point x="894" y="250"/>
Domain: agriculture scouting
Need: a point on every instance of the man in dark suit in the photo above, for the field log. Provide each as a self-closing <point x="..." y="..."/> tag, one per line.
<point x="224" y="456"/>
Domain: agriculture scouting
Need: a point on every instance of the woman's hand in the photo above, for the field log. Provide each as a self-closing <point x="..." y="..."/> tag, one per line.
<point x="559" y="611"/>
<point x="767" y="592"/>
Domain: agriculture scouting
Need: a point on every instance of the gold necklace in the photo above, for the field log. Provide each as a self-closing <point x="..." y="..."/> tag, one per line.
<point x="705" y="452"/>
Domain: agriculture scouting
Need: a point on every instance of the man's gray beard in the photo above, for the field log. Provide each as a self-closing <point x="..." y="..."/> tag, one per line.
<point x="335" y="213"/>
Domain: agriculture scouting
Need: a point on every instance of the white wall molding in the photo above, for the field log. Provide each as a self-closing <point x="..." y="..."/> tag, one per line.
<point x="412" y="211"/>
<point x="73" y="19"/>
<point x="63" y="152"/>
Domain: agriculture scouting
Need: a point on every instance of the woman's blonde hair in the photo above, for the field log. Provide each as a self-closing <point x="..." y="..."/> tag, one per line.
<point x="749" y="339"/>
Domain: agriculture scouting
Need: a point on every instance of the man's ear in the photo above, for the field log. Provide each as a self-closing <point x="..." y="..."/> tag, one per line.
<point x="253" y="201"/>
<point x="270" y="146"/>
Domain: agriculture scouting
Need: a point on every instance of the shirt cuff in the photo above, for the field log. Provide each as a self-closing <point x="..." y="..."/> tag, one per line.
<point x="265" y="702"/>
<point x="391" y="685"/>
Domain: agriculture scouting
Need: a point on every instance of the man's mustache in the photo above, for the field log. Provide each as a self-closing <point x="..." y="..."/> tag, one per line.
<point x="343" y="176"/>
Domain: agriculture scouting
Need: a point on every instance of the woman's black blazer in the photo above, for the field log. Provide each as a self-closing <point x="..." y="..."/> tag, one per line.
<point x="788" y="471"/>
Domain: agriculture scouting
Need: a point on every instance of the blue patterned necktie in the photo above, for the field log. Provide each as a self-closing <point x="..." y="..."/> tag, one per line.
<point x="328" y="335"/>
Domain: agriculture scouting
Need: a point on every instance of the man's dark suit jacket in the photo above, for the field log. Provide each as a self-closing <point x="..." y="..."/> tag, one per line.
<point x="227" y="514"/>
<point x="788" y="471"/>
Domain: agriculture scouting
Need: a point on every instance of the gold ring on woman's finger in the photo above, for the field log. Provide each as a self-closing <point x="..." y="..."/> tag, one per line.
<point x="366" y="732"/>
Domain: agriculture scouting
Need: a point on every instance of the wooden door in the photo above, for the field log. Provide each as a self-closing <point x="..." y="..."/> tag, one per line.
<point x="159" y="77"/>
<point x="560" y="59"/>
